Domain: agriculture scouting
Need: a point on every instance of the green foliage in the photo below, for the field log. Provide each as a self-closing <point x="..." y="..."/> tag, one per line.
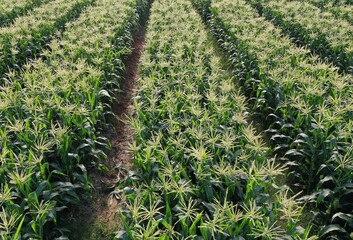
<point x="338" y="8"/>
<point x="308" y="26"/>
<point x="29" y="35"/>
<point x="305" y="102"/>
<point x="52" y="115"/>
<point x="202" y="172"/>
<point x="10" y="9"/>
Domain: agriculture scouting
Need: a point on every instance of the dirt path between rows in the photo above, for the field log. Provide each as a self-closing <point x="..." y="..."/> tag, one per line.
<point x="97" y="219"/>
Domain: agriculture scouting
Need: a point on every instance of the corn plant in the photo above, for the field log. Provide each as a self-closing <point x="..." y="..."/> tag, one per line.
<point x="10" y="9"/>
<point x="304" y="101"/>
<point x="52" y="115"/>
<point x="201" y="170"/>
<point x="28" y="35"/>
<point x="324" y="35"/>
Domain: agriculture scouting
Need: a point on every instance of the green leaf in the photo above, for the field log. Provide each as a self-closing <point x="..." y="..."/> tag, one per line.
<point x="192" y="229"/>
<point x="126" y="226"/>
<point x="330" y="229"/>
<point x="104" y="93"/>
<point x="204" y="231"/>
<point x="168" y="212"/>
<point x="18" y="230"/>
<point x="323" y="193"/>
<point x="345" y="217"/>
<point x="294" y="152"/>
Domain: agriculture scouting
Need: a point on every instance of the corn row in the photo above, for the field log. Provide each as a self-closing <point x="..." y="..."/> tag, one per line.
<point x="202" y="170"/>
<point x="339" y="10"/>
<point x="323" y="3"/>
<point x="306" y="103"/>
<point x="326" y="36"/>
<point x="10" y="9"/>
<point x="28" y="35"/>
<point x="51" y="117"/>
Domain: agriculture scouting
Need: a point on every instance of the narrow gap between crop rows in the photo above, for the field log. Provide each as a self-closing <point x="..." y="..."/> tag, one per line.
<point x="253" y="117"/>
<point x="98" y="219"/>
<point x="257" y="121"/>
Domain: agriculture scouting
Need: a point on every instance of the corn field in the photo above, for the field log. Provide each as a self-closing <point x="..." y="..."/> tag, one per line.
<point x="242" y="117"/>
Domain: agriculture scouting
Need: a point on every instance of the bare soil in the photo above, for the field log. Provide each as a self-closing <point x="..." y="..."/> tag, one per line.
<point x="97" y="219"/>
